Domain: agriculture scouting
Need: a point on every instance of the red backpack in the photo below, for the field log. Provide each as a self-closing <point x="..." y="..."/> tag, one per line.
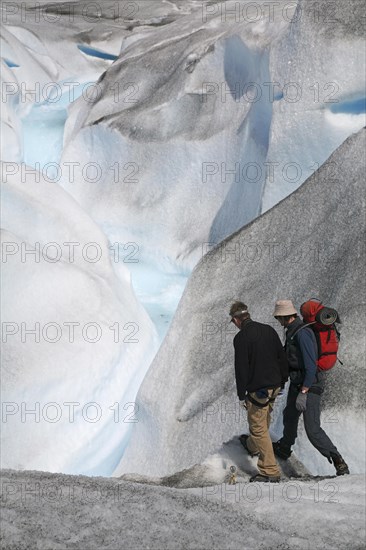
<point x="322" y="320"/>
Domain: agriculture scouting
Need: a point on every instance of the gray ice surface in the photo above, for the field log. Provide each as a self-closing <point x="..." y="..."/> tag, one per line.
<point x="58" y="512"/>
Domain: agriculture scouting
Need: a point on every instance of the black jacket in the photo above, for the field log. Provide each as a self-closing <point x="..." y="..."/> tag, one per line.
<point x="302" y="353"/>
<point x="260" y="360"/>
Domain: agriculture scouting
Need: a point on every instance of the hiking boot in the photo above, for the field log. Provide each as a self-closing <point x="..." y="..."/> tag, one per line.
<point x="340" y="465"/>
<point x="243" y="440"/>
<point x="281" y="450"/>
<point x="265" y="479"/>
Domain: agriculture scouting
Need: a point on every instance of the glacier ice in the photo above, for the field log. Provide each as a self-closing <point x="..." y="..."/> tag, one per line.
<point x="305" y="246"/>
<point x="222" y="119"/>
<point x="171" y="106"/>
<point x="47" y="59"/>
<point x="320" y="62"/>
<point x="104" y="512"/>
<point x="42" y="40"/>
<point x="92" y="342"/>
<point x="11" y="142"/>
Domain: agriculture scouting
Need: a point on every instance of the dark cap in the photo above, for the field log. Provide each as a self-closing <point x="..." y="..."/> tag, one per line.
<point x="237" y="309"/>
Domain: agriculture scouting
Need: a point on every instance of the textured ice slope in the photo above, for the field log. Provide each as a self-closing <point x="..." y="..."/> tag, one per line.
<point x="177" y="104"/>
<point x="74" y="359"/>
<point x="311" y="244"/>
<point x="190" y="105"/>
<point x="42" y="510"/>
<point x="54" y="47"/>
<point x="320" y="66"/>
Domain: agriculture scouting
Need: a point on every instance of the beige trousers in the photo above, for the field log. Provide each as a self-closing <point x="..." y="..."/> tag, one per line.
<point x="259" y="441"/>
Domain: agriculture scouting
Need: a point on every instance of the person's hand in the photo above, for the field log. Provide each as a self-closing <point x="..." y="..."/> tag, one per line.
<point x="243" y="404"/>
<point x="301" y="402"/>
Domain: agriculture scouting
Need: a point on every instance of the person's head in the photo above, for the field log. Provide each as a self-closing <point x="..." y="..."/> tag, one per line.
<point x="284" y="312"/>
<point x="239" y="313"/>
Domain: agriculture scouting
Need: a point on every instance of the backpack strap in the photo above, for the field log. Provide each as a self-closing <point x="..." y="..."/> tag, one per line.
<point x="300" y="328"/>
<point x="317" y="337"/>
<point x="337" y="332"/>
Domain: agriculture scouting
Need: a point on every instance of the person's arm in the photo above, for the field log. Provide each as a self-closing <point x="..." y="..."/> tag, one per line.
<point x="308" y="348"/>
<point x="241" y="365"/>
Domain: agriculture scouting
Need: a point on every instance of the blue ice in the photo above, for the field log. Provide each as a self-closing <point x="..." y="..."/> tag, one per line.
<point x="355" y="106"/>
<point x="10" y="64"/>
<point x="97" y="53"/>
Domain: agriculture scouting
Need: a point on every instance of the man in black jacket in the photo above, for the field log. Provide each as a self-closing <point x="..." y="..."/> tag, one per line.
<point x="260" y="371"/>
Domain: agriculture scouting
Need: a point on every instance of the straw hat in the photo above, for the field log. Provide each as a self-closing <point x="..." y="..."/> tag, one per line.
<point x="284" y="308"/>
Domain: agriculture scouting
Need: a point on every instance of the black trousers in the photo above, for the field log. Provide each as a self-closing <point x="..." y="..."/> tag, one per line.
<point x="317" y="436"/>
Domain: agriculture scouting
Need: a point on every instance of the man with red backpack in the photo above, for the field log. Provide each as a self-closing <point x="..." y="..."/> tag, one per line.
<point x="308" y="362"/>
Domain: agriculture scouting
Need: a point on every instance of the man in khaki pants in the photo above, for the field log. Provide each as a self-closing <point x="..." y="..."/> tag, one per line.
<point x="260" y="371"/>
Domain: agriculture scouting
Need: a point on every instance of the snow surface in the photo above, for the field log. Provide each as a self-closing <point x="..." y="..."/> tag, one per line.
<point x="42" y="510"/>
<point x="282" y="254"/>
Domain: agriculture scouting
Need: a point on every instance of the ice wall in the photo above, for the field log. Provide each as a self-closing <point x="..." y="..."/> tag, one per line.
<point x="177" y="116"/>
<point x="76" y="342"/>
<point x="319" y="67"/>
<point x="216" y="117"/>
<point x="42" y="64"/>
<point x="311" y="244"/>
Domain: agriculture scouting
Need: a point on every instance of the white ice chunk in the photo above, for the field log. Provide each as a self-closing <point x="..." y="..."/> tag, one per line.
<point x="82" y="392"/>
